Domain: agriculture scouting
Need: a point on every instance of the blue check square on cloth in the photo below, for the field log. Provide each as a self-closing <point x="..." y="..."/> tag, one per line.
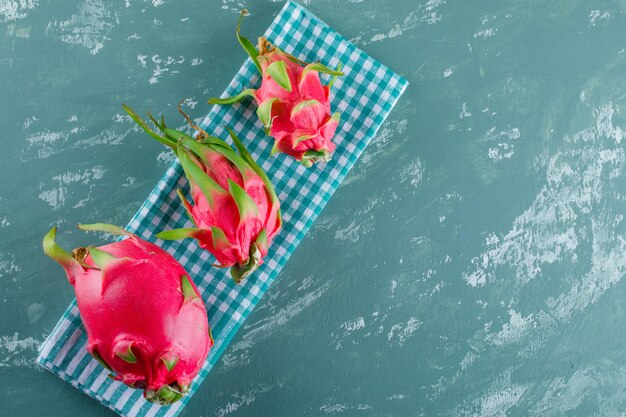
<point x="364" y="96"/>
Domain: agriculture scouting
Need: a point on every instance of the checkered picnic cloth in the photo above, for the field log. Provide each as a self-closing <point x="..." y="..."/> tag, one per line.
<point x="364" y="96"/>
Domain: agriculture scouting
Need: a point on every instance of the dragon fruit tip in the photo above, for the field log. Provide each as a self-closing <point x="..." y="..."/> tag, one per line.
<point x="166" y="395"/>
<point x="239" y="272"/>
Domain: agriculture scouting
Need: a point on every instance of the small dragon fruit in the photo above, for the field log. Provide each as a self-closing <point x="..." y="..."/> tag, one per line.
<point x="293" y="104"/>
<point x="236" y="212"/>
<point x="144" y="318"/>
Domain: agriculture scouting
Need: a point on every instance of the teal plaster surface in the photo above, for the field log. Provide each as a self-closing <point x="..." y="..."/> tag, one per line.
<point x="471" y="263"/>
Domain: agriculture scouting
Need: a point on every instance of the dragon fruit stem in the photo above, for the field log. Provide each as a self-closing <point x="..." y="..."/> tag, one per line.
<point x="245" y="42"/>
<point x="201" y="133"/>
<point x="265" y="46"/>
<point x="335" y="76"/>
<point x="176" y="234"/>
<point x="249" y="92"/>
<point x="57" y="253"/>
<point x="103" y="227"/>
<point x="162" y="139"/>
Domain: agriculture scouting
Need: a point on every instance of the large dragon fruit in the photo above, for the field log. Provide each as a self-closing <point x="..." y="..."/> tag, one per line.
<point x="144" y="318"/>
<point x="236" y="211"/>
<point x="293" y="104"/>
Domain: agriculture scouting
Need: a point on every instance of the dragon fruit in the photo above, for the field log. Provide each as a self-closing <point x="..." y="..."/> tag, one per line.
<point x="293" y="104"/>
<point x="236" y="212"/>
<point x="144" y="318"/>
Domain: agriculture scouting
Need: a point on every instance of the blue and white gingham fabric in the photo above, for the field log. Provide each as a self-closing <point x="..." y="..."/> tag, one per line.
<point x="364" y="96"/>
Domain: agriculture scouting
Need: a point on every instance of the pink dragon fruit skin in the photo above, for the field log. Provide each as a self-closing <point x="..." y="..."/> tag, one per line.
<point x="144" y="318"/>
<point x="235" y="210"/>
<point x="294" y="105"/>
